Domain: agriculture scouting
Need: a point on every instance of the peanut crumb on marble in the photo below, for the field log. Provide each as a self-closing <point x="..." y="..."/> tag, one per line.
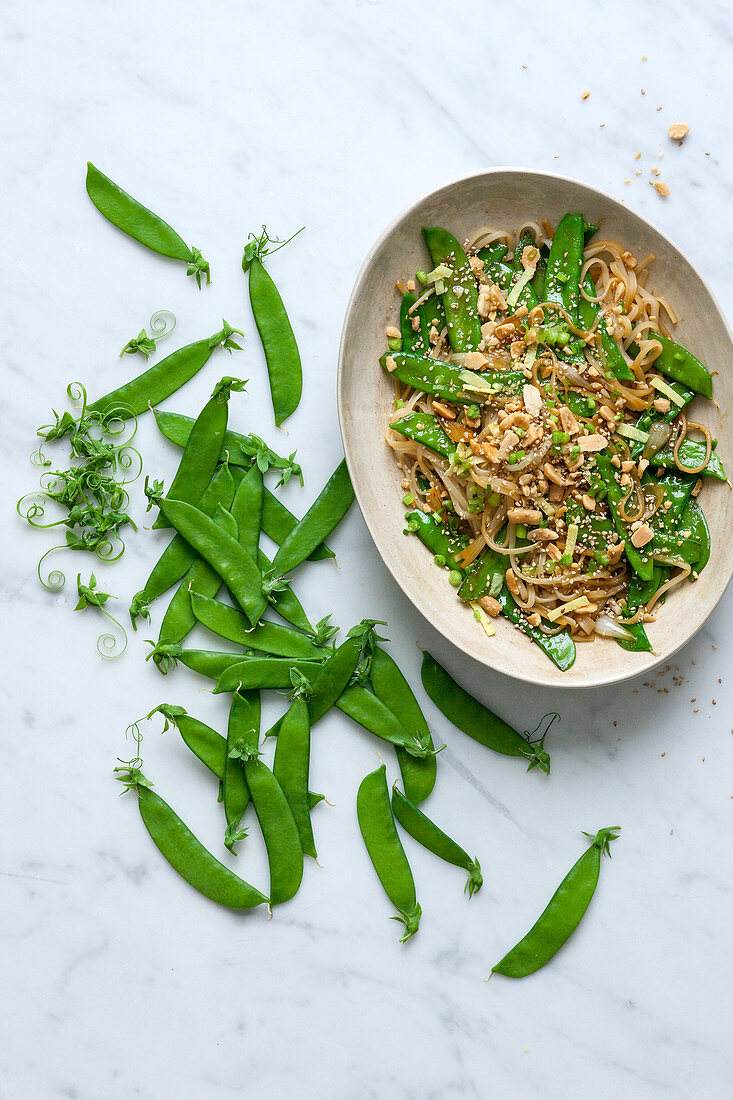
<point x="585" y="95"/>
<point x="659" y="187"/>
<point x="678" y="131"/>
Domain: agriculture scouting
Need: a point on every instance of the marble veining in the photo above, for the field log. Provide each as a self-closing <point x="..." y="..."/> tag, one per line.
<point x="118" y="981"/>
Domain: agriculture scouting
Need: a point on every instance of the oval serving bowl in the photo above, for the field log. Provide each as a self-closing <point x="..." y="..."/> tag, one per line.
<point x="505" y="198"/>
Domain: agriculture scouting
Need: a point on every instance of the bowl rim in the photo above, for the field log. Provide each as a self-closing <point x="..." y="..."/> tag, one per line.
<point x="590" y="681"/>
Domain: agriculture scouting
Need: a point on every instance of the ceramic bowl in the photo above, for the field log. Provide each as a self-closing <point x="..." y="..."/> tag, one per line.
<point x="507" y="197"/>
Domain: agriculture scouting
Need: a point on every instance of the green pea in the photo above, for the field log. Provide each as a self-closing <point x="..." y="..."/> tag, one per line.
<point x="455" y="578"/>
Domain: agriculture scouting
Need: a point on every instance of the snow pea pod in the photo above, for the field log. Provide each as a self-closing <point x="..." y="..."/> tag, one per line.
<point x="279" y="830"/>
<point x="436" y="536"/>
<point x="392" y="689"/>
<point x="425" y="429"/>
<point x="179" y="619"/>
<point x="266" y="637"/>
<point x="451" y="383"/>
<point x="681" y="365"/>
<point x="322" y="517"/>
<point x="368" y="711"/>
<point x="186" y="854"/>
<point x="639" y="560"/>
<point x="203" y="446"/>
<point x="208" y="662"/>
<point x="459" y="298"/>
<point x="427" y="833"/>
<point x="333" y="678"/>
<point x="282" y="598"/>
<point x="665" y="522"/>
<point x="560" y="648"/>
<point x="278" y="523"/>
<point x="163" y="378"/>
<point x="383" y="844"/>
<point x="223" y="553"/>
<point x="179" y="555"/>
<point x="261" y="672"/>
<point x="505" y="276"/>
<point x="237" y="449"/>
<point x="562" y="277"/>
<point x="276" y="332"/>
<point x="639" y="643"/>
<point x="691" y="455"/>
<point x="693" y="520"/>
<point x="418" y="340"/>
<point x="563" y="913"/>
<point x="242" y="735"/>
<point x="247" y="511"/>
<point x="478" y="721"/>
<point x="587" y="312"/>
<point x="291" y="766"/>
<point x="142" y="224"/>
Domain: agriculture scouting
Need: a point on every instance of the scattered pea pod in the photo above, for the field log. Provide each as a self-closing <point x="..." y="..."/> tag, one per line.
<point x="478" y="721"/>
<point x="563" y="913"/>
<point x="185" y="853"/>
<point x="266" y="637"/>
<point x="179" y="555"/>
<point x="393" y="690"/>
<point x="223" y="553"/>
<point x="138" y="222"/>
<point x="164" y="377"/>
<point x="370" y="712"/>
<point x="276" y="332"/>
<point x="260" y="672"/>
<point x="291" y="767"/>
<point x="427" y="833"/>
<point x="242" y="735"/>
<point x="322" y="517"/>
<point x="203" y="446"/>
<point x="279" y="830"/>
<point x="385" y="849"/>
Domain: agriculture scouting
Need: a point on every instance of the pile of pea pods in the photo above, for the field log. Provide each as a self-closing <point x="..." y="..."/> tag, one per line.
<point x="216" y="508"/>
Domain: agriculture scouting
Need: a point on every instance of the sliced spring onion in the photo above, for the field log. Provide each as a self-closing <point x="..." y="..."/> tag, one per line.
<point x="530" y="357"/>
<point x="666" y="389"/>
<point x="475" y="382"/>
<point x="485" y="620"/>
<point x="439" y="272"/>
<point x="630" y="432"/>
<point x="572" y="538"/>
<point x="573" y="605"/>
<point x="513" y="295"/>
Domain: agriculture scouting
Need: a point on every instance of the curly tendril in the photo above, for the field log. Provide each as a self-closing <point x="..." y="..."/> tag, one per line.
<point x="55" y="579"/>
<point x="162" y="323"/>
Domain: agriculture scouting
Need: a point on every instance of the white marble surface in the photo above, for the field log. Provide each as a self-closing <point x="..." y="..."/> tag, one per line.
<point x="117" y="980"/>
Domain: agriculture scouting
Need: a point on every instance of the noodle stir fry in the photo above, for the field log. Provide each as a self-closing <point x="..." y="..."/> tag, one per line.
<point x="541" y="422"/>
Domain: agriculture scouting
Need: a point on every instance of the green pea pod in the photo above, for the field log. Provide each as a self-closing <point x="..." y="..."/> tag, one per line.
<point x="140" y="223"/>
<point x="242" y="735"/>
<point x="665" y="523"/>
<point x="427" y="833"/>
<point x="278" y="523"/>
<point x="163" y="378"/>
<point x="425" y="429"/>
<point x="562" y="278"/>
<point x="236" y="449"/>
<point x="204" y="742"/>
<point x="479" y="578"/>
<point x="648" y="418"/>
<point x="417" y="340"/>
<point x="291" y="766"/>
<point x="179" y="555"/>
<point x="276" y="333"/>
<point x="203" y="446"/>
<point x="321" y="518"/>
<point x="261" y="672"/>
<point x="368" y="711"/>
<point x="563" y="914"/>
<point x="497" y="250"/>
<point x="560" y="648"/>
<point x="385" y="850"/>
<point x="451" y="383"/>
<point x="283" y="599"/>
<point x="279" y="830"/>
<point x="691" y="455"/>
<point x="436" y="536"/>
<point x="209" y="662"/>
<point x="639" y="560"/>
<point x="392" y="689"/>
<point x="506" y="276"/>
<point x="333" y="678"/>
<point x="588" y="311"/>
<point x="247" y="511"/>
<point x="461" y="309"/>
<point x="640" y="642"/>
<point x="266" y="637"/>
<point x="224" y="554"/>
<point x="693" y="520"/>
<point x="187" y="855"/>
<point x="641" y="591"/>
<point x="681" y="365"/>
<point x="478" y="721"/>
<point x="179" y="619"/>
